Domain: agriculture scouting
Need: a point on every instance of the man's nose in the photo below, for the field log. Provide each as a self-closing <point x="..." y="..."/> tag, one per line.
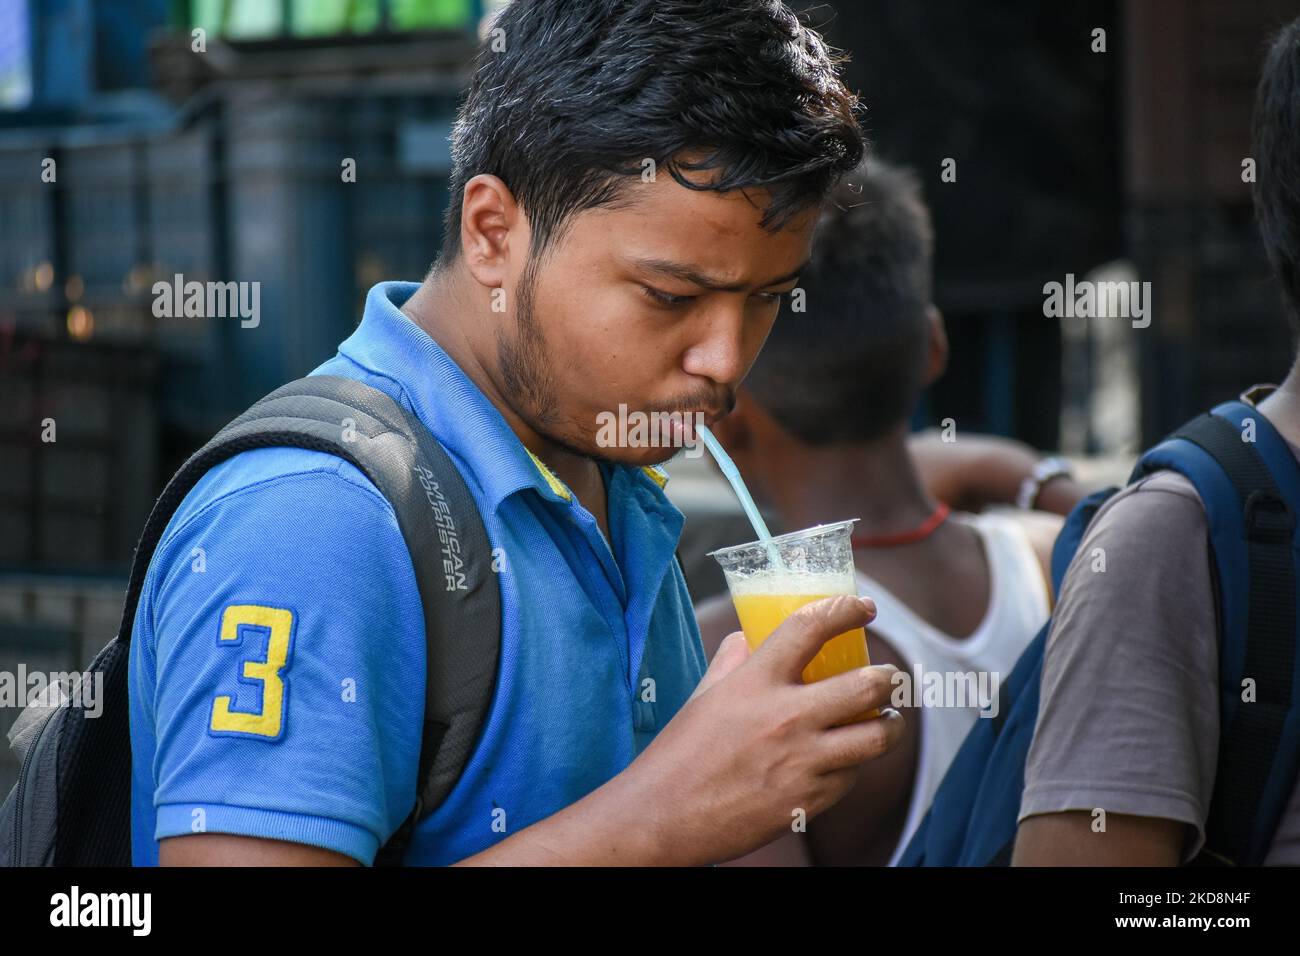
<point x="720" y="352"/>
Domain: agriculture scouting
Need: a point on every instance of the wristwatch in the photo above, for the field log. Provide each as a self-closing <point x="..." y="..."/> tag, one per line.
<point x="1044" y="471"/>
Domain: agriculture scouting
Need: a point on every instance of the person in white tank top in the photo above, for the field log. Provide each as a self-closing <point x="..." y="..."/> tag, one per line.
<point x="1019" y="604"/>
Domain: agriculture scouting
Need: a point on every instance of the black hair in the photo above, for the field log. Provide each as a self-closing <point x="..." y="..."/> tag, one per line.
<point x="852" y="365"/>
<point x="584" y="91"/>
<point x="1277" y="156"/>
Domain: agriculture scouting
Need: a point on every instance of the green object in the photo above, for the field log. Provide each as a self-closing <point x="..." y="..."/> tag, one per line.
<point x="263" y="19"/>
<point x="324" y="17"/>
<point x="431" y="14"/>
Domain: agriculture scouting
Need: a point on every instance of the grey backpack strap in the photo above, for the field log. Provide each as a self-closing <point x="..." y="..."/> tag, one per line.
<point x="444" y="533"/>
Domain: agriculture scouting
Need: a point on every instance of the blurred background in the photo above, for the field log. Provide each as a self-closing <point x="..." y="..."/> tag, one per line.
<point x="205" y="137"/>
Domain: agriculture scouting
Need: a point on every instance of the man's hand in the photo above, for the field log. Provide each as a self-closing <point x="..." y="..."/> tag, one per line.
<point x="755" y="744"/>
<point x="731" y="653"/>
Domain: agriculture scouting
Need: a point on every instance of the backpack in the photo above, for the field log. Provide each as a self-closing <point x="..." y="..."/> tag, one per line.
<point x="1251" y="493"/>
<point x="71" y="805"/>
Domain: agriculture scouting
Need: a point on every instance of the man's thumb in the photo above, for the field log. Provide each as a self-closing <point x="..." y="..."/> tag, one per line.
<point x="731" y="653"/>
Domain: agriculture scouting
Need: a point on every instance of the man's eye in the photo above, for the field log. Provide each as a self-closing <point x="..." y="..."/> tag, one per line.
<point x="774" y="297"/>
<point x="665" y="298"/>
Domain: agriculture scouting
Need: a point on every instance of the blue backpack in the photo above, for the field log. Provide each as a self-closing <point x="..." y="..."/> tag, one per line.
<point x="1251" y="492"/>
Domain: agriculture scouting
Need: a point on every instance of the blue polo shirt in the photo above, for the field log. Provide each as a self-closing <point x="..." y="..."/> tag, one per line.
<point x="277" y="665"/>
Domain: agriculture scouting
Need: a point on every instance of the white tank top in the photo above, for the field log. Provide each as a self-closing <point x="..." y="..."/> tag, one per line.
<point x="1018" y="607"/>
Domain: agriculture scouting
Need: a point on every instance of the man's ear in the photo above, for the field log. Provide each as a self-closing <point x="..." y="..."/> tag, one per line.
<point x="492" y="230"/>
<point x="936" y="362"/>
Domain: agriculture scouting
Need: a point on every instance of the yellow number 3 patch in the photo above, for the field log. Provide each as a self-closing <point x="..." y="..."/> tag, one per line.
<point x="269" y="721"/>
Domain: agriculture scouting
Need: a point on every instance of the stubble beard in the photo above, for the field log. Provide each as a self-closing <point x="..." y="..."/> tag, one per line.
<point x="526" y="367"/>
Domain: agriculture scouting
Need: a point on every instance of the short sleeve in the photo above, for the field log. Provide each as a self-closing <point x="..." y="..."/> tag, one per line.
<point x="285" y="672"/>
<point x="1128" y="718"/>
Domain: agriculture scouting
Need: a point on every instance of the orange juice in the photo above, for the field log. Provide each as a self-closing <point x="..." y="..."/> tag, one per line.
<point x="772" y="578"/>
<point x="761" y="614"/>
<point x="762" y="611"/>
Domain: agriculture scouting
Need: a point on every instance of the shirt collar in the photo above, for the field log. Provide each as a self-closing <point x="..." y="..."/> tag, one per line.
<point x="452" y="407"/>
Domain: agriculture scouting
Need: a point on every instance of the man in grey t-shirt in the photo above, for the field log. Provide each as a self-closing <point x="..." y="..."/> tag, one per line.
<point x="1128" y="720"/>
<point x="1129" y="715"/>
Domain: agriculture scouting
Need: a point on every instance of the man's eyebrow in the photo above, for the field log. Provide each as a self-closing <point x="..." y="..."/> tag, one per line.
<point x="687" y="274"/>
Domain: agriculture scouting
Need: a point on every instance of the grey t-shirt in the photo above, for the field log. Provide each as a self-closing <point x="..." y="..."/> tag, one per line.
<point x="1129" y="715"/>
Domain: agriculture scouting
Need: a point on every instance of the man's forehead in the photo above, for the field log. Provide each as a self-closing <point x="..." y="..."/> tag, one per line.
<point x="670" y="228"/>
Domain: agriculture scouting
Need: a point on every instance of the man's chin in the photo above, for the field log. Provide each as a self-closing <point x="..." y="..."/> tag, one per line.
<point x="633" y="456"/>
<point x="636" y="457"/>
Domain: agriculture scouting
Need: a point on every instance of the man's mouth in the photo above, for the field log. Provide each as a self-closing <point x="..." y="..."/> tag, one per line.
<point x="685" y="427"/>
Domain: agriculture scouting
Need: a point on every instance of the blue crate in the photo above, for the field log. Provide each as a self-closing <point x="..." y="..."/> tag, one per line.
<point x="400" y="196"/>
<point x="287" y="212"/>
<point x="181" y="199"/>
<point x="27" y="241"/>
<point x="179" y="175"/>
<point x="102" y="184"/>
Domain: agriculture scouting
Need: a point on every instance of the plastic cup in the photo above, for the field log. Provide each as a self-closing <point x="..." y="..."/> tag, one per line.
<point x="815" y="563"/>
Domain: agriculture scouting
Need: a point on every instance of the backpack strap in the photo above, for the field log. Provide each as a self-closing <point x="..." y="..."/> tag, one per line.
<point x="439" y="521"/>
<point x="972" y="818"/>
<point x="1249" y="482"/>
